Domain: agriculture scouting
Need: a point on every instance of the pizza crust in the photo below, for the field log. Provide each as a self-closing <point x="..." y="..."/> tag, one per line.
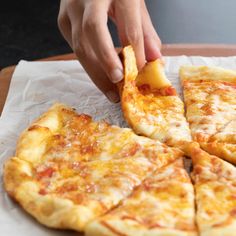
<point x="212" y="73"/>
<point x="33" y="141"/>
<point x="101" y="230"/>
<point x="48" y="210"/>
<point x="19" y="182"/>
<point x="226" y="231"/>
<point x="223" y="150"/>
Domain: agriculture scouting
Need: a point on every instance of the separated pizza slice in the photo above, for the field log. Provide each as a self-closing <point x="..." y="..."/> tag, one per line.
<point x="215" y="189"/>
<point x="69" y="170"/>
<point x="162" y="205"/>
<point x="150" y="104"/>
<point x="210" y="98"/>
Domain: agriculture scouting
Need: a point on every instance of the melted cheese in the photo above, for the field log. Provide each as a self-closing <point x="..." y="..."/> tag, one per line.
<point x="152" y="112"/>
<point x="210" y="97"/>
<point x="215" y="188"/>
<point x="69" y="175"/>
<point x="163" y="203"/>
<point x="153" y="74"/>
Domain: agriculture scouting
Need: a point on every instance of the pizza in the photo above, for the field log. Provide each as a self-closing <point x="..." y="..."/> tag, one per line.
<point x="70" y="172"/>
<point x="215" y="189"/>
<point x="162" y="205"/>
<point x="150" y="104"/>
<point x="68" y="169"/>
<point x="210" y="98"/>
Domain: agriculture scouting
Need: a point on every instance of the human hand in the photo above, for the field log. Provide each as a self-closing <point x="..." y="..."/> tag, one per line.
<point x="83" y="23"/>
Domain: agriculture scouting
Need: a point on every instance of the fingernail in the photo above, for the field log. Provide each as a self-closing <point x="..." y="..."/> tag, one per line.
<point x="152" y="51"/>
<point x="116" y="75"/>
<point x="113" y="96"/>
<point x="159" y="54"/>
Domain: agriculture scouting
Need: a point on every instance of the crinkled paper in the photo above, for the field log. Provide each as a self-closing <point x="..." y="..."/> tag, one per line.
<point x="35" y="86"/>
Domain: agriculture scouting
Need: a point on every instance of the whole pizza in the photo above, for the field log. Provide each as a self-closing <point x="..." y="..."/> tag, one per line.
<point x="70" y="172"/>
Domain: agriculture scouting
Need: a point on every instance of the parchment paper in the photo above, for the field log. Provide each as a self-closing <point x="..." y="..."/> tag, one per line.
<point x="35" y="86"/>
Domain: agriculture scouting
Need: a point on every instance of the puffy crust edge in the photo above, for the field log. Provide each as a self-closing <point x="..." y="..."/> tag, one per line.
<point x="225" y="151"/>
<point x="119" y="228"/>
<point x="33" y="141"/>
<point x="127" y="88"/>
<point x="49" y="210"/>
<point x="228" y="230"/>
<point x="195" y="73"/>
<point x="18" y="179"/>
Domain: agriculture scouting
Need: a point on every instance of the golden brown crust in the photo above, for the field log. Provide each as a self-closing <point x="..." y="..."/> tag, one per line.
<point x="33" y="141"/>
<point x="226" y="151"/>
<point x="206" y="73"/>
<point x="16" y="171"/>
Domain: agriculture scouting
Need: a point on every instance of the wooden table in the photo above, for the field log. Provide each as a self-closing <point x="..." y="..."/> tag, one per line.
<point x="167" y="50"/>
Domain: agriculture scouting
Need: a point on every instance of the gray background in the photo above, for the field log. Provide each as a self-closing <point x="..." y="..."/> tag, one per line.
<point x="194" y="21"/>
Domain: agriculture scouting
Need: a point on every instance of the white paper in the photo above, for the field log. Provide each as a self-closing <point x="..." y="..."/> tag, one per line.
<point x="35" y="86"/>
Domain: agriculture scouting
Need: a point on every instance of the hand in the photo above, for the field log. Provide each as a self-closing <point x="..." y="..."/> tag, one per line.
<point x="83" y="23"/>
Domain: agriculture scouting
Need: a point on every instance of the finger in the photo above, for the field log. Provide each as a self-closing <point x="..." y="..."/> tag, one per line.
<point x="96" y="30"/>
<point x="64" y="24"/>
<point x="129" y="25"/>
<point x="152" y="42"/>
<point x="86" y="55"/>
<point x="99" y="77"/>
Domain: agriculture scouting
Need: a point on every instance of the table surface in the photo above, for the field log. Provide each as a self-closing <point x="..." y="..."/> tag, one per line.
<point x="167" y="50"/>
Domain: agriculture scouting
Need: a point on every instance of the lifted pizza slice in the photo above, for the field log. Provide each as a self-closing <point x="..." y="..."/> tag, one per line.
<point x="210" y="98"/>
<point x="69" y="170"/>
<point x="150" y="104"/>
<point x="162" y="205"/>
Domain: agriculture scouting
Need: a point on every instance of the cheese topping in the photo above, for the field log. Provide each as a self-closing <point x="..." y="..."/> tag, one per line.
<point x="210" y="97"/>
<point x="75" y="170"/>
<point x="164" y="201"/>
<point x="215" y="187"/>
<point x="152" y="110"/>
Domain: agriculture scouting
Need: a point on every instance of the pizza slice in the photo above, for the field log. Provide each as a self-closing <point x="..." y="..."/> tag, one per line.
<point x="162" y="205"/>
<point x="215" y="189"/>
<point x="210" y="98"/>
<point x="69" y="170"/>
<point x="150" y="104"/>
